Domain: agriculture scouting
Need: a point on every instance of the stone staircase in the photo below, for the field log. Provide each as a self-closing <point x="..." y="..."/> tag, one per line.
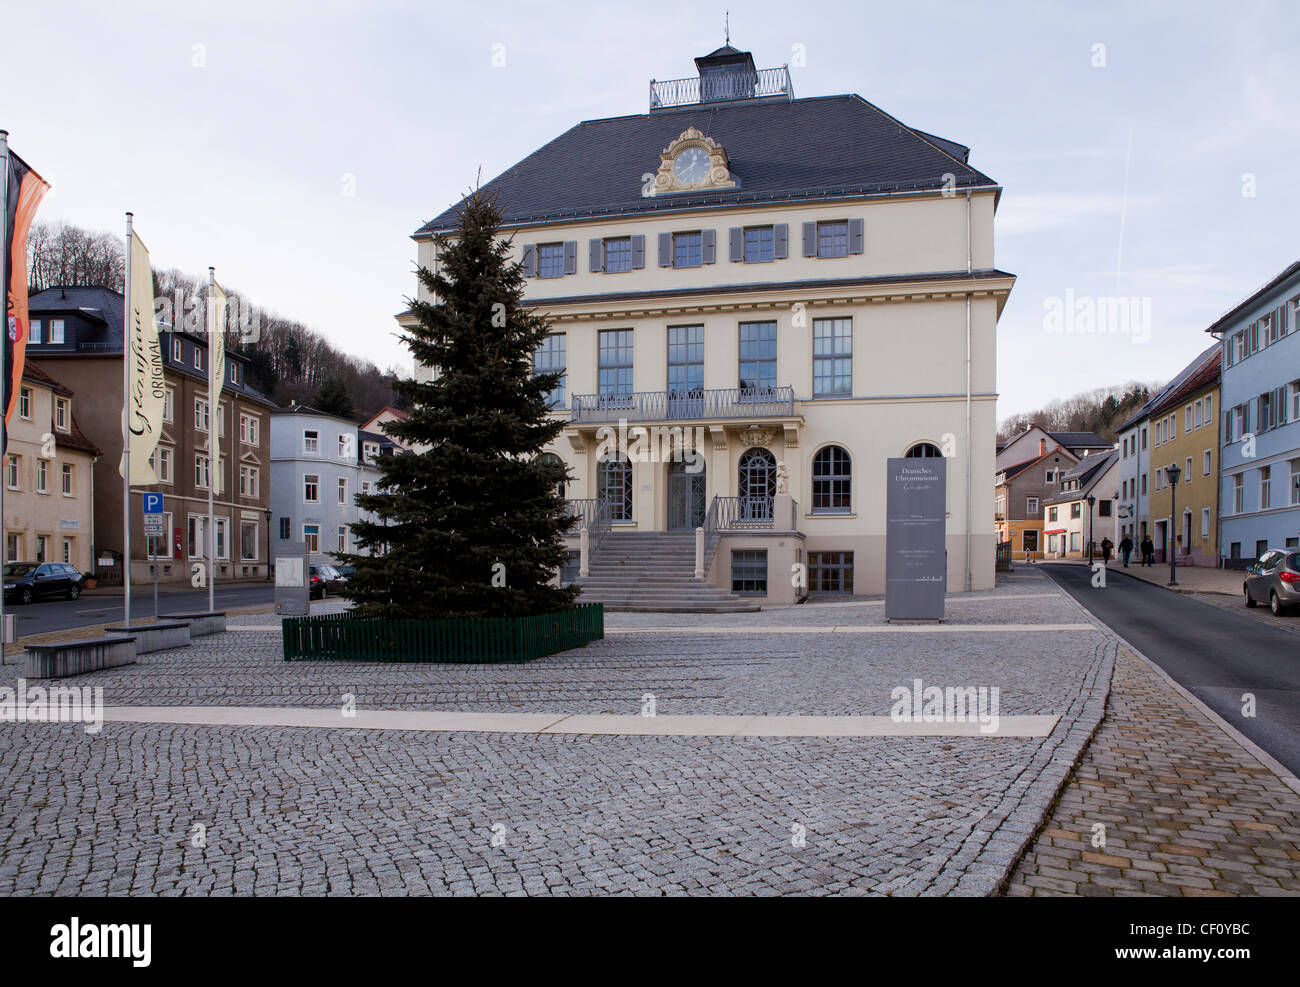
<point x="654" y="572"/>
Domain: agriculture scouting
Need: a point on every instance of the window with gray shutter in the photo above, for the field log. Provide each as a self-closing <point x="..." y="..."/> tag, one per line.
<point x="530" y="260"/>
<point x="638" y="252"/>
<point x="735" y="237"/>
<point x="810" y="239"/>
<point x="618" y="254"/>
<point x="550" y="260"/>
<point x="595" y="255"/>
<point x="781" y="241"/>
<point x="857" y="238"/>
<point x="708" y="245"/>
<point x="665" y="250"/>
<point x="570" y="256"/>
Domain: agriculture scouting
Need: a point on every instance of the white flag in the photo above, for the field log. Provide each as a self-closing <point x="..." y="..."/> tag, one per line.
<point x="146" y="390"/>
<point x="216" y="376"/>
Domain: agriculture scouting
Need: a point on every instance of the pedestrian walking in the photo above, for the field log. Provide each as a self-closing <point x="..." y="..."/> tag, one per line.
<point x="1126" y="549"/>
<point x="1106" y="548"/>
<point x="1148" y="551"/>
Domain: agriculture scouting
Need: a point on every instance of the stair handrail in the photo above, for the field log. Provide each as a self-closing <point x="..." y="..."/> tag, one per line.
<point x="600" y="524"/>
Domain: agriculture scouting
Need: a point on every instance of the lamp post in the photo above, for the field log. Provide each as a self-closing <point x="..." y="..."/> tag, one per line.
<point x="1173" y="472"/>
<point x="268" y="544"/>
<point x="1091" y="501"/>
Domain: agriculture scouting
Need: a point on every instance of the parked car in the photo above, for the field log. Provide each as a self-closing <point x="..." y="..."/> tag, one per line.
<point x="26" y="581"/>
<point x="1275" y="580"/>
<point x="325" y="579"/>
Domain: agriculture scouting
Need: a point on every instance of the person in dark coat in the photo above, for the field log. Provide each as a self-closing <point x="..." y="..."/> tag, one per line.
<point x="1148" y="551"/>
<point x="1125" y="549"/>
<point x="1107" y="546"/>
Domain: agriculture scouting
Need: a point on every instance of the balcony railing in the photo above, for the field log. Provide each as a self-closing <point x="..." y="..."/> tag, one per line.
<point x="742" y="514"/>
<point x="715" y="88"/>
<point x="699" y="405"/>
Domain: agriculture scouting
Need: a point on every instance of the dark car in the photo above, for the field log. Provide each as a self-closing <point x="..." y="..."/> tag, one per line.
<point x="27" y="581"/>
<point x="325" y="579"/>
<point x="1275" y="580"/>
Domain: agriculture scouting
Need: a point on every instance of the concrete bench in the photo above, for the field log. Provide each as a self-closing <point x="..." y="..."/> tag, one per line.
<point x="156" y="637"/>
<point x="64" y="658"/>
<point x="202" y="623"/>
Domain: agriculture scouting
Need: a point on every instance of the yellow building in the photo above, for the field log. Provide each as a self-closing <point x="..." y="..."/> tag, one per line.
<point x="799" y="312"/>
<point x="48" y="515"/>
<point x="1184" y="429"/>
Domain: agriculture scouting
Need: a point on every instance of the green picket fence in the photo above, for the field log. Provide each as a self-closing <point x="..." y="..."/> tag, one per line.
<point x="339" y="637"/>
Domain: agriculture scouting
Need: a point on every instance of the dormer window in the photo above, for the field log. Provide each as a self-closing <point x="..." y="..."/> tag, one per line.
<point x="34" y="332"/>
<point x="62" y="414"/>
<point x="56" y="330"/>
<point x="178" y="350"/>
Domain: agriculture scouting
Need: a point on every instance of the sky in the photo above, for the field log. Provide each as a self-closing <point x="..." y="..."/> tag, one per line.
<point x="1148" y="150"/>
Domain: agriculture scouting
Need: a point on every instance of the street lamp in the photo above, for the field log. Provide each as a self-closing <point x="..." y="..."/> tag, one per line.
<point x="1091" y="500"/>
<point x="1173" y="472"/>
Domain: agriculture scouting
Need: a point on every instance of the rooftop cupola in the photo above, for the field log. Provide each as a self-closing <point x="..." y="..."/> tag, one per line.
<point x="725" y="75"/>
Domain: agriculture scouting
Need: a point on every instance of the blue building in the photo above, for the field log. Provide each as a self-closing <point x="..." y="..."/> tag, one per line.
<point x="1260" y="396"/>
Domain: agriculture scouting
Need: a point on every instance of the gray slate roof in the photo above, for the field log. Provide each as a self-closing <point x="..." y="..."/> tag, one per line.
<point x="101" y="304"/>
<point x="1080" y="440"/>
<point x="1169" y="388"/>
<point x="1089" y="470"/>
<point x="779" y="151"/>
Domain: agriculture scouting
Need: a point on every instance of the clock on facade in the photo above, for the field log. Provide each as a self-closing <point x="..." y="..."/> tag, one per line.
<point x="691" y="166"/>
<point x="690" y="163"/>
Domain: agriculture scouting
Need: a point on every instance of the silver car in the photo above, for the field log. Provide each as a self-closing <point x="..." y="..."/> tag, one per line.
<point x="1275" y="580"/>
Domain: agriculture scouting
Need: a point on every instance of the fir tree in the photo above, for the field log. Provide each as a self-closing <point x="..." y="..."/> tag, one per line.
<point x="472" y="524"/>
<point x="334" y="399"/>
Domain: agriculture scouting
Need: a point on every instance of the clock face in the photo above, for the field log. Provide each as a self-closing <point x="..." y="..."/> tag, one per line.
<point x="691" y="166"/>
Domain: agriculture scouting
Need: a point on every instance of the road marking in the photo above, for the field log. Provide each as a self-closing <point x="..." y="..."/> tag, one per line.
<point x="446" y="721"/>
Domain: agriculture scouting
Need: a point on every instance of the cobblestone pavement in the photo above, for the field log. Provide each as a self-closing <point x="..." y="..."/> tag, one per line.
<point x="1186" y="810"/>
<point x="330" y="811"/>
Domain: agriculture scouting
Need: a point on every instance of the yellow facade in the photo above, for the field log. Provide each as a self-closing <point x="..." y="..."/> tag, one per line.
<point x="1187" y="433"/>
<point x="909" y="368"/>
<point x="48" y="515"/>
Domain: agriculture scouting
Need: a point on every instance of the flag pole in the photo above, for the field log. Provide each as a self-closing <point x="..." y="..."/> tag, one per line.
<point x="128" y="326"/>
<point x="4" y="377"/>
<point x="214" y="423"/>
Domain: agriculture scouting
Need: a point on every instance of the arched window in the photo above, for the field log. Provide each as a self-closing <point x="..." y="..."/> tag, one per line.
<point x="614" y="484"/>
<point x="551" y="459"/>
<point x="757" y="484"/>
<point x="924" y="450"/>
<point x="832" y="478"/>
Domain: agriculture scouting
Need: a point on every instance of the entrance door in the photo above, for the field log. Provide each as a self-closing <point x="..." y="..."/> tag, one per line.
<point x="686" y="503"/>
<point x="1030" y="540"/>
<point x="757" y="485"/>
<point x="1160" y="540"/>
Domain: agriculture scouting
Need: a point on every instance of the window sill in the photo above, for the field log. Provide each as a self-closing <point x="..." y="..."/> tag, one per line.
<point x="831" y="514"/>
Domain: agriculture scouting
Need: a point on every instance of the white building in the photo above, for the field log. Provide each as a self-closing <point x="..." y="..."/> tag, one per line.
<point x="805" y="287"/>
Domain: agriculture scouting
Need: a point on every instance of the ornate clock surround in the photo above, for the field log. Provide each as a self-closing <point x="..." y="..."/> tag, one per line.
<point x="719" y="176"/>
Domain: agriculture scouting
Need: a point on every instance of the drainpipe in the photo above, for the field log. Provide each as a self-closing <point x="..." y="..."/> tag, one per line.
<point x="969" y="270"/>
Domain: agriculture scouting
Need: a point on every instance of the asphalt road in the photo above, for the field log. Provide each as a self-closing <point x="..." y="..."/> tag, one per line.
<point x="59" y="614"/>
<point x="1216" y="655"/>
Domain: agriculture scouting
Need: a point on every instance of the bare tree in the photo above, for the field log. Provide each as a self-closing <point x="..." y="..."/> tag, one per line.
<point x="67" y="256"/>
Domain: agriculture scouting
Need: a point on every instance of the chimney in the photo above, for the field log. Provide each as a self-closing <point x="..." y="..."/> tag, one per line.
<point x="1042" y="447"/>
